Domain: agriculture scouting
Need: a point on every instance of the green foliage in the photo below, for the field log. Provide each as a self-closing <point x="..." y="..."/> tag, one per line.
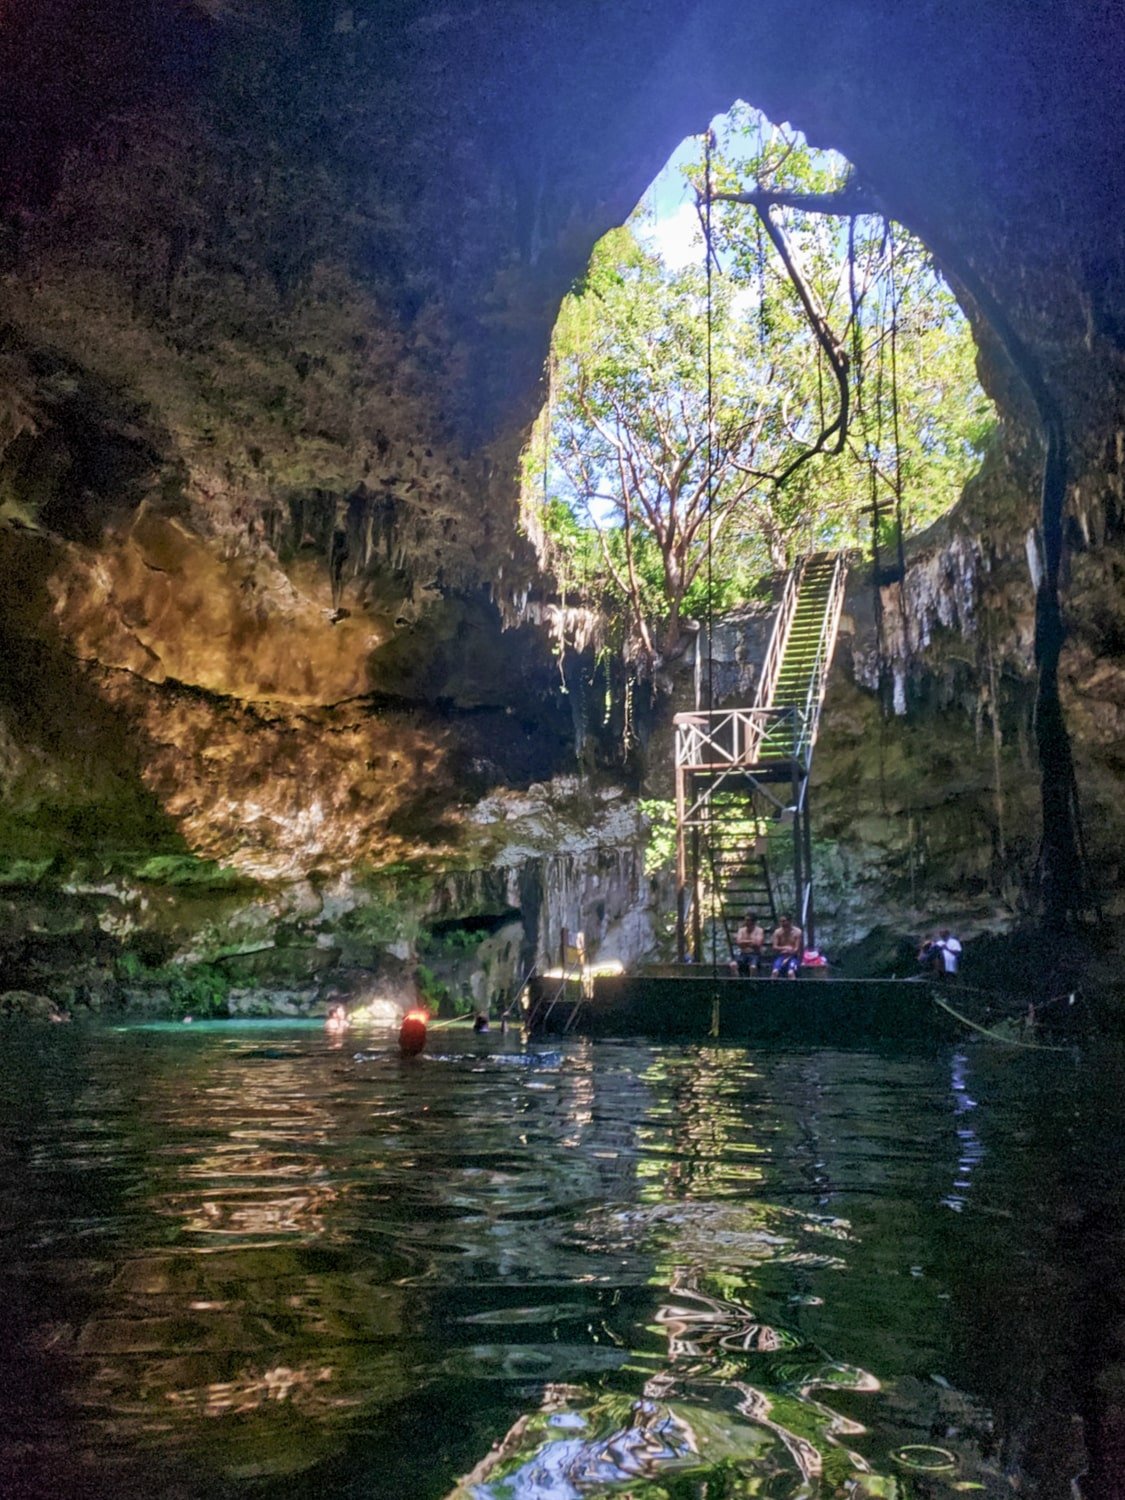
<point x="379" y="924"/>
<point x="130" y="966"/>
<point x="200" y="990"/>
<point x="432" y="990"/>
<point x="188" y="870"/>
<point x="24" y="872"/>
<point x="660" y="851"/>
<point x="398" y="897"/>
<point x="455" y="940"/>
<point x="653" y="473"/>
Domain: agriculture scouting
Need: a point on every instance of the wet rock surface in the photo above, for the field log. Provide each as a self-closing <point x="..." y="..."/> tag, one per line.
<point x="23" y="1005"/>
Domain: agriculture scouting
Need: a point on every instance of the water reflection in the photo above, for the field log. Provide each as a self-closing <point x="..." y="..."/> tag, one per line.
<point x="564" y="1453"/>
<point x="260" y="1262"/>
<point x="971" y="1150"/>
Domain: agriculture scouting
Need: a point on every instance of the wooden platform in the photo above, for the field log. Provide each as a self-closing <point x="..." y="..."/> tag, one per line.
<point x="682" y="1003"/>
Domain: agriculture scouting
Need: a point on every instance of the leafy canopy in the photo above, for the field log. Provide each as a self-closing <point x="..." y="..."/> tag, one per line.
<point x="676" y="460"/>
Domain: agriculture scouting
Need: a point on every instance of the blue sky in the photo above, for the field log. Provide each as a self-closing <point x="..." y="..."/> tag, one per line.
<point x="673" y="224"/>
<point x="673" y="227"/>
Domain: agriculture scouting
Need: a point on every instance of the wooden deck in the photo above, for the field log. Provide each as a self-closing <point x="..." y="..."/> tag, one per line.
<point x="682" y="1003"/>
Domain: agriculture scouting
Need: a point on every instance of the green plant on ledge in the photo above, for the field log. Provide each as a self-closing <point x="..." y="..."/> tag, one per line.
<point x="434" y="993"/>
<point x="201" y="990"/>
<point x="193" y="990"/>
<point x="456" y="940"/>
<point x="660" y="850"/>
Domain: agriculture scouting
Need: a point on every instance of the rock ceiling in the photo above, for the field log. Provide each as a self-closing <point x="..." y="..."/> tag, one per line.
<point x="278" y="280"/>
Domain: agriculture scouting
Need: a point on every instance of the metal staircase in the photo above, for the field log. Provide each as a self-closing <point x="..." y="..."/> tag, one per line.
<point x="734" y="846"/>
<point x="806" y="654"/>
<point x="742" y="774"/>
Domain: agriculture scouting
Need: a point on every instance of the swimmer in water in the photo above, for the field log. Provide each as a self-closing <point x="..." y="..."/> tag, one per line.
<point x="336" y="1021"/>
<point x="412" y="1033"/>
<point x="480" y="1022"/>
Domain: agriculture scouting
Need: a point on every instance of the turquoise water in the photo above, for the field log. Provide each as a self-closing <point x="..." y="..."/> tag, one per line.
<point x="247" y="1262"/>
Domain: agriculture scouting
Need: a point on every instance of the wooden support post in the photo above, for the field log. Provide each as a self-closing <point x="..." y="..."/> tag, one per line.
<point x="681" y="865"/>
<point x="798" y="850"/>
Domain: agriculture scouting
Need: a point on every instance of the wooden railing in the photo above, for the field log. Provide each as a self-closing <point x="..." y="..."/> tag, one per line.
<point x="721" y="740"/>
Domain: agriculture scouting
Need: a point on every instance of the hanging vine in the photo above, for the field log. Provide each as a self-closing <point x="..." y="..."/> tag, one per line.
<point x="1062" y="878"/>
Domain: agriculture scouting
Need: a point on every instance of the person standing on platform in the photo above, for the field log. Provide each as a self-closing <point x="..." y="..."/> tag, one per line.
<point x="950" y="949"/>
<point x="941" y="954"/>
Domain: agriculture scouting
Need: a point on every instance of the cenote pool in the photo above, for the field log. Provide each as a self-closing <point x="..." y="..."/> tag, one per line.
<point x="242" y="1261"/>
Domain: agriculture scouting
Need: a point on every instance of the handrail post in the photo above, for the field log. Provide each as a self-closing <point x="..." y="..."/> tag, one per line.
<point x="798" y="873"/>
<point x="681" y="865"/>
<point x="696" y="902"/>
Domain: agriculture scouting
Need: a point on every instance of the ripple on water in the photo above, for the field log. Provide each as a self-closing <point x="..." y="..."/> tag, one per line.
<point x="245" y="1265"/>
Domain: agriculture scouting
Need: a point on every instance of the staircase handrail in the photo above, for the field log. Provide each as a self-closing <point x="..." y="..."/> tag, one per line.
<point x="699" y="729"/>
<point x="775" y="653"/>
<point x="517" y="993"/>
<point x="803" y="906"/>
<point x="699" y="732"/>
<point x="818" y="677"/>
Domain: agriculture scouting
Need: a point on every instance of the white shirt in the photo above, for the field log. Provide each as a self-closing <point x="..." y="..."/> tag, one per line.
<point x="950" y="953"/>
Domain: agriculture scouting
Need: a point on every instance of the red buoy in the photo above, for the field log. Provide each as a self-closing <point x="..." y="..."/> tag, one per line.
<point x="412" y="1033"/>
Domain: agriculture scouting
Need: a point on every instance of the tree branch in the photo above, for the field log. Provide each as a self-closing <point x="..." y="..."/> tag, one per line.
<point x="849" y="200"/>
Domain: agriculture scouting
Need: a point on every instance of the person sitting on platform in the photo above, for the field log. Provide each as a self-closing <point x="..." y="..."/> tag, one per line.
<point x="749" y="940"/>
<point x="786" y="949"/>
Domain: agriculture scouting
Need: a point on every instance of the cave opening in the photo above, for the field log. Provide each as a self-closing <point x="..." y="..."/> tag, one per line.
<point x="758" y="364"/>
<point x="281" y="330"/>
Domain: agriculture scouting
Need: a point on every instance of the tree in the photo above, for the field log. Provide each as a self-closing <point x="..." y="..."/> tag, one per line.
<point x="913" y="421"/>
<point x="665" y="477"/>
<point x="701" y="434"/>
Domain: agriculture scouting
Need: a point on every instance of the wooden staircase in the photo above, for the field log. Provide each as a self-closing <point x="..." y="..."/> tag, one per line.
<point x="735" y="843"/>
<point x="742" y="774"/>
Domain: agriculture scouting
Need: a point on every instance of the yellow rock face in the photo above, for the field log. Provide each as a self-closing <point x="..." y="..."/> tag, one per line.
<point x="165" y="603"/>
<point x="169" y="687"/>
<point x="275" y="793"/>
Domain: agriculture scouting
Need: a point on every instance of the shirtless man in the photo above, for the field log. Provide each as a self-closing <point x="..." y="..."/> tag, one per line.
<point x="336" y="1021"/>
<point x="786" y="949"/>
<point x="749" y="941"/>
